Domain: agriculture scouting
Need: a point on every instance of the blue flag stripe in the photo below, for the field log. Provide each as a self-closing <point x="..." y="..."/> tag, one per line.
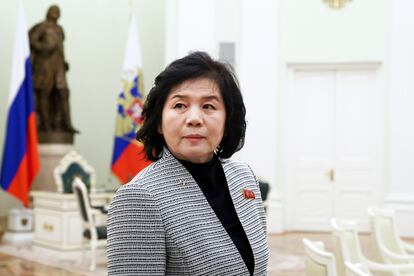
<point x="119" y="146"/>
<point x="15" y="142"/>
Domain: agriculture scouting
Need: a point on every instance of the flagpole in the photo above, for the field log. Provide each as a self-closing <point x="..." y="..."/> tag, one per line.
<point x="128" y="157"/>
<point x="131" y="6"/>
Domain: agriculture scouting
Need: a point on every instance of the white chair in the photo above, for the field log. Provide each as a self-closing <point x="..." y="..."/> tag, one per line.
<point x="346" y="240"/>
<point x="318" y="261"/>
<point x="356" y="270"/>
<point x="392" y="248"/>
<point x="95" y="234"/>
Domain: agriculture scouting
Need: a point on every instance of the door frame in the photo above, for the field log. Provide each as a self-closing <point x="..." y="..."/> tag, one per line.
<point x="285" y="134"/>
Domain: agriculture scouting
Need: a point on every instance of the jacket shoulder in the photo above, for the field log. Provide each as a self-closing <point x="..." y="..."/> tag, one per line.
<point x="145" y="178"/>
<point x="235" y="165"/>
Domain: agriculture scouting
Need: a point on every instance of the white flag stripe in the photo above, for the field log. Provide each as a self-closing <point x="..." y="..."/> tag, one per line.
<point x="132" y="59"/>
<point x="20" y="53"/>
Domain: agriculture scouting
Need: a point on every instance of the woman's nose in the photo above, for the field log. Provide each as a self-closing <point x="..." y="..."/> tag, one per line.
<point x="194" y="117"/>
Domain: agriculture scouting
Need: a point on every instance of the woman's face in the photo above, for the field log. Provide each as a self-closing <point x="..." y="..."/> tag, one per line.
<point x="193" y="119"/>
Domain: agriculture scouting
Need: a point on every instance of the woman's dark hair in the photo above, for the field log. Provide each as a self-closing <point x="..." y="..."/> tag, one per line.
<point x="192" y="66"/>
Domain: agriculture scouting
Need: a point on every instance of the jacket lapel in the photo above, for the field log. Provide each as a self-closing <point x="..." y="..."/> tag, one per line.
<point x="239" y="179"/>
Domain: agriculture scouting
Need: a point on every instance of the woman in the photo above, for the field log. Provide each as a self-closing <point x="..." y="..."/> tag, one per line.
<point x="192" y="211"/>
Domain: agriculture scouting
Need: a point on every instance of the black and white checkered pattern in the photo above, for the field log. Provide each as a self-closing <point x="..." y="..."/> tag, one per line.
<point x="161" y="224"/>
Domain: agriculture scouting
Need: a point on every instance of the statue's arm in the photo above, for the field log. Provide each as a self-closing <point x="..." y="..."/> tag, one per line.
<point x="62" y="32"/>
<point x="40" y="41"/>
<point x="63" y="38"/>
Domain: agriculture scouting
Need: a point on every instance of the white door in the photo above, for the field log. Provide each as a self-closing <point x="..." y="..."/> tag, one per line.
<point x="335" y="146"/>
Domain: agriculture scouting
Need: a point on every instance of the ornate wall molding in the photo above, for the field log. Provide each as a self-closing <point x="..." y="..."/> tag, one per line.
<point x="336" y="4"/>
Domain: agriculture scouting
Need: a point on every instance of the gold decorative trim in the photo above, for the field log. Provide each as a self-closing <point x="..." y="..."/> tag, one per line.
<point x="336" y="4"/>
<point x="48" y="227"/>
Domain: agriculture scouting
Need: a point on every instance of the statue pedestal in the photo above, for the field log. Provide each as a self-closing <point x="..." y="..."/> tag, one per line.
<point x="19" y="227"/>
<point x="50" y="155"/>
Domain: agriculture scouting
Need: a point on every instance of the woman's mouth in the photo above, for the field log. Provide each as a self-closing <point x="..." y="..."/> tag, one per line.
<point x="194" y="137"/>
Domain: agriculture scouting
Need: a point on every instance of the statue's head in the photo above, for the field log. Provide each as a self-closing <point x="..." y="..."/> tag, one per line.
<point x="53" y="13"/>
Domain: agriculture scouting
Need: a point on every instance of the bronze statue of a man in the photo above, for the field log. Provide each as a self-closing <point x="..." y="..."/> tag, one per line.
<point x="49" y="75"/>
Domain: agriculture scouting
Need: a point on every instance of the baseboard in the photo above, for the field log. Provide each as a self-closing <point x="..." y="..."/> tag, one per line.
<point x="403" y="205"/>
<point x="18" y="238"/>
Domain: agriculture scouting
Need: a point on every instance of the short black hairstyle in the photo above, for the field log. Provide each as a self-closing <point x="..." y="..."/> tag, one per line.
<point x="193" y="66"/>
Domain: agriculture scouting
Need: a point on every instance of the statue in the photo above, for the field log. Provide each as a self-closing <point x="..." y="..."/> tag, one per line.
<point x="51" y="92"/>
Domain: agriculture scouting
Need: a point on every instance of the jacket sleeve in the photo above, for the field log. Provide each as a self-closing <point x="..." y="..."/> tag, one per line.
<point x="262" y="213"/>
<point x="136" y="237"/>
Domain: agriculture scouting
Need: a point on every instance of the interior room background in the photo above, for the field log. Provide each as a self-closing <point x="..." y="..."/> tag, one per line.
<point x="274" y="42"/>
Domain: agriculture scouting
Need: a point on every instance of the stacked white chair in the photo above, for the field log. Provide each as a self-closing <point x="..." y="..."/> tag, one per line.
<point x="392" y="248"/>
<point x="356" y="270"/>
<point x="318" y="261"/>
<point x="346" y="240"/>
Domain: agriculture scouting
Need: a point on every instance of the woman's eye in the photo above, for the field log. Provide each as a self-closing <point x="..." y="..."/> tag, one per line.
<point x="209" y="106"/>
<point x="179" y="106"/>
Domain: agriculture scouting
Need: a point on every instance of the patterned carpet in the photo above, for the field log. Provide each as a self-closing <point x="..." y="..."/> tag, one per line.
<point x="77" y="264"/>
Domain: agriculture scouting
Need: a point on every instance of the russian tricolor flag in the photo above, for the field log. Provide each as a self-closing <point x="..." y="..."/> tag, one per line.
<point x="128" y="156"/>
<point x="20" y="156"/>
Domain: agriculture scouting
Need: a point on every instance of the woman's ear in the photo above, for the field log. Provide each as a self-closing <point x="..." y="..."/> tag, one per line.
<point x="159" y="129"/>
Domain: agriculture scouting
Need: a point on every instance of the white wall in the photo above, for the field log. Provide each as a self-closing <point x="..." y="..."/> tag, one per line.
<point x="94" y="46"/>
<point x="227" y="22"/>
<point x="200" y="25"/>
<point x="401" y="190"/>
<point x="313" y="33"/>
<point x="258" y="61"/>
<point x="189" y="27"/>
<point x="402" y="99"/>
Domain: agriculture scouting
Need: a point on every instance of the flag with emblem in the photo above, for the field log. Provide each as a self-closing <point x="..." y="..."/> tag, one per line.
<point x="128" y="155"/>
<point x="20" y="156"/>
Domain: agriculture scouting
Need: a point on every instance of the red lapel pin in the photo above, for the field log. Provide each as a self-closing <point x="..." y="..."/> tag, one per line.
<point x="248" y="194"/>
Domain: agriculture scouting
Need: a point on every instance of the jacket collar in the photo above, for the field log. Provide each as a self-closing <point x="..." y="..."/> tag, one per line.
<point x="166" y="155"/>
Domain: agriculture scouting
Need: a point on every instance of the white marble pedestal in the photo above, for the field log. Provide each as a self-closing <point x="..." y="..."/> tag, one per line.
<point x="19" y="227"/>
<point x="50" y="155"/>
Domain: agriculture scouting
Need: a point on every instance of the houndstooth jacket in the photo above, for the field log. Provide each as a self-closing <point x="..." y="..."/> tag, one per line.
<point x="161" y="224"/>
